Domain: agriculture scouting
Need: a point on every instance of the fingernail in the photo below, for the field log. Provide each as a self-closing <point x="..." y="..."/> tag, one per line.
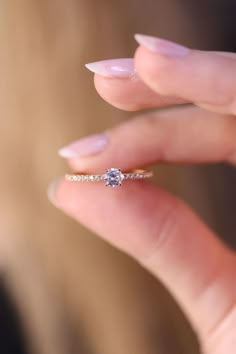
<point x="120" y="68"/>
<point x="89" y="145"/>
<point x="52" y="190"/>
<point x="161" y="46"/>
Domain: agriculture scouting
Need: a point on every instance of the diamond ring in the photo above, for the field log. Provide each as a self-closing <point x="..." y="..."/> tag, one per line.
<point x="113" y="177"/>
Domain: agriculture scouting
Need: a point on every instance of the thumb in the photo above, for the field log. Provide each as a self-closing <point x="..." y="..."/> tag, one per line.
<point x="166" y="237"/>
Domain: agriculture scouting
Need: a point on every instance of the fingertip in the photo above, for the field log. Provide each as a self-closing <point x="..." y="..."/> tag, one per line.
<point x="119" y="93"/>
<point x="52" y="191"/>
<point x="131" y="95"/>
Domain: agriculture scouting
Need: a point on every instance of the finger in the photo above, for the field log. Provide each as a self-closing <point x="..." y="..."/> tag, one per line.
<point x="179" y="135"/>
<point x="167" y="238"/>
<point x="117" y="82"/>
<point x="205" y="78"/>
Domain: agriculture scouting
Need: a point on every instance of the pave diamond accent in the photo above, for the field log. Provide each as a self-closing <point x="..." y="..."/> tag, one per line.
<point x="113" y="177"/>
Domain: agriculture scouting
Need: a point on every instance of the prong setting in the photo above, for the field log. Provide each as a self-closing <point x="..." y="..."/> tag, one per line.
<point x="113" y="177"/>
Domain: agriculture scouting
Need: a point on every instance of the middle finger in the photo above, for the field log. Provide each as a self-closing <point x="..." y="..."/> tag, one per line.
<point x="178" y="135"/>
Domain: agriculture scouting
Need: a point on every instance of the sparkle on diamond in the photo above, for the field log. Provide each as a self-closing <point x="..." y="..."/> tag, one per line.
<point x="113" y="177"/>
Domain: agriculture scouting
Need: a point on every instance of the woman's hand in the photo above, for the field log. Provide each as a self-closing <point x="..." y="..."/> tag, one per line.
<point x="154" y="227"/>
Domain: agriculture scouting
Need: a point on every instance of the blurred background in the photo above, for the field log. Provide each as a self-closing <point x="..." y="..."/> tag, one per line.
<point x="62" y="289"/>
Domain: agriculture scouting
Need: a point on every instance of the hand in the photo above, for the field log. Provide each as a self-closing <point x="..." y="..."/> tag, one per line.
<point x="157" y="229"/>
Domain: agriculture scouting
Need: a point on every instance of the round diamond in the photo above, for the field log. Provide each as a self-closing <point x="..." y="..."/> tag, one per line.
<point x="113" y="177"/>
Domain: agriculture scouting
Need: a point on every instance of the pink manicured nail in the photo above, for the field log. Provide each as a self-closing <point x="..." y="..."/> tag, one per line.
<point x="120" y="68"/>
<point x="161" y="46"/>
<point x="90" y="145"/>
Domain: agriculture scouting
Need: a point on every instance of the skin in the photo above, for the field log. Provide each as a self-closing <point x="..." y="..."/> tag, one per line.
<point x="160" y="231"/>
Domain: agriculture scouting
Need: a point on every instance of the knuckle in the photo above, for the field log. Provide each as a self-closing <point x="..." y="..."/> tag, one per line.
<point x="219" y="335"/>
<point x="221" y="338"/>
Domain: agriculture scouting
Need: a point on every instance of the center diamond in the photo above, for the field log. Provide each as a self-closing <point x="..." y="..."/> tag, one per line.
<point x="113" y="177"/>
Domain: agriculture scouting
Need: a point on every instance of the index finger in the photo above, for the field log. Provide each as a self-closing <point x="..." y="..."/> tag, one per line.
<point x="119" y="84"/>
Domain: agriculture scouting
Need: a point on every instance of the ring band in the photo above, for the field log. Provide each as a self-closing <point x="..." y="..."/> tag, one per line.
<point x="113" y="177"/>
